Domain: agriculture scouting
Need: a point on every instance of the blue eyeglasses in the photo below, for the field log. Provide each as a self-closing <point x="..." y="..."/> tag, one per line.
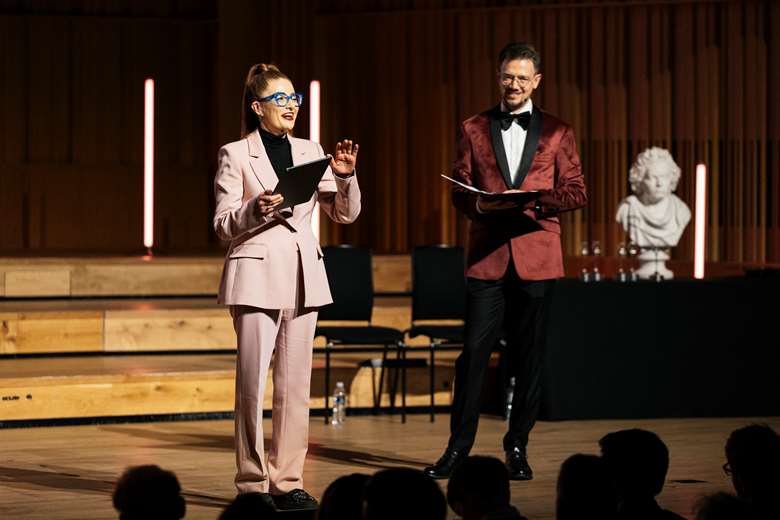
<point x="281" y="99"/>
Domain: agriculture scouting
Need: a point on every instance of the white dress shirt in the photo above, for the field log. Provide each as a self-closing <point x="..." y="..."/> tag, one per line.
<point x="514" y="140"/>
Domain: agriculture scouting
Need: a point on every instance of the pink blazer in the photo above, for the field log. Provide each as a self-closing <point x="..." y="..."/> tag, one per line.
<point x="261" y="265"/>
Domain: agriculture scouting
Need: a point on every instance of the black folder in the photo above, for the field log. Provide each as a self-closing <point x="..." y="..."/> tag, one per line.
<point x="299" y="182"/>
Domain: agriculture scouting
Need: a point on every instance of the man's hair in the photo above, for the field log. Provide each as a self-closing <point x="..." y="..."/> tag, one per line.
<point x="585" y="489"/>
<point x="482" y="482"/>
<point x="520" y="51"/>
<point x="753" y="452"/>
<point x="249" y="505"/>
<point x="148" y="492"/>
<point x="403" y="493"/>
<point x="652" y="155"/>
<point x="343" y="498"/>
<point x="638" y="460"/>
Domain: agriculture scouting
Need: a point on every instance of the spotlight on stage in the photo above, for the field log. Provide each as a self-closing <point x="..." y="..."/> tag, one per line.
<point x="701" y="221"/>
<point x="149" y="165"/>
<point x="314" y="135"/>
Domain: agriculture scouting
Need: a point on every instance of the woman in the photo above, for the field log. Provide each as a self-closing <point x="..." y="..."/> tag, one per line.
<point x="274" y="279"/>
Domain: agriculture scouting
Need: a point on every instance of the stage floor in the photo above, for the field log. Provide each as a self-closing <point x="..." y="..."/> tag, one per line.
<point x="69" y="471"/>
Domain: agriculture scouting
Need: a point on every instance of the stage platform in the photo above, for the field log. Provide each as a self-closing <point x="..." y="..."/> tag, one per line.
<point x="104" y="387"/>
<point x="111" y="346"/>
<point x="69" y="472"/>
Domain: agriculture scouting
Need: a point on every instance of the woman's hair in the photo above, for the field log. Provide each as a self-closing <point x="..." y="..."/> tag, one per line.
<point x="256" y="81"/>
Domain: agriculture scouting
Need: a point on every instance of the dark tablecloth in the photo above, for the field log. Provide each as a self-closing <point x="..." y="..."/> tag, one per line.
<point x="680" y="348"/>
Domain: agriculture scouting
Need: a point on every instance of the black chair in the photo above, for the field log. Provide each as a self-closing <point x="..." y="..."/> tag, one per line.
<point x="351" y="284"/>
<point x="438" y="293"/>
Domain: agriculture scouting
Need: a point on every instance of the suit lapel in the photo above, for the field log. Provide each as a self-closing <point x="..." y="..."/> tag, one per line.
<point x="498" y="146"/>
<point x="531" y="143"/>
<point x="260" y="163"/>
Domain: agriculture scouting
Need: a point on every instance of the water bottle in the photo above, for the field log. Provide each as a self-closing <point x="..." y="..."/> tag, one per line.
<point x="510" y="395"/>
<point x="339" y="405"/>
<point x="595" y="250"/>
<point x="622" y="275"/>
<point x="585" y="253"/>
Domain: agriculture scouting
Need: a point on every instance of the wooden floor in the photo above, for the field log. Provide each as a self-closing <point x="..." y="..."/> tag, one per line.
<point x="69" y="472"/>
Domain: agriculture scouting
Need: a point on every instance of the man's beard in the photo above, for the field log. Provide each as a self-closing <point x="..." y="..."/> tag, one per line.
<point x="515" y="105"/>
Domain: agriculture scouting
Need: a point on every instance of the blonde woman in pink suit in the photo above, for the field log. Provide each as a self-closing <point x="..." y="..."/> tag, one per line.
<point x="274" y="279"/>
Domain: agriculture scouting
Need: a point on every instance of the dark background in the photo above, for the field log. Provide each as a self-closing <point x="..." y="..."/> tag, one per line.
<point x="698" y="77"/>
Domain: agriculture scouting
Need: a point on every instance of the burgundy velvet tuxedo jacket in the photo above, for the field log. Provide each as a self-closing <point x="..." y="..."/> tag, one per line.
<point x="528" y="236"/>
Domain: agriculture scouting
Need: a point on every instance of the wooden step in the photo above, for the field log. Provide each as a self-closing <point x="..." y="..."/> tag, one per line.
<point x="140" y="325"/>
<point x="148" y="276"/>
<point x="101" y="386"/>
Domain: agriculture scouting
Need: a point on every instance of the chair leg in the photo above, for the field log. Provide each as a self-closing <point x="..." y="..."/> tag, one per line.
<point x="328" y="346"/>
<point x="373" y="390"/>
<point x="403" y="382"/>
<point x="378" y="402"/>
<point x="432" y="381"/>
<point x="393" y="390"/>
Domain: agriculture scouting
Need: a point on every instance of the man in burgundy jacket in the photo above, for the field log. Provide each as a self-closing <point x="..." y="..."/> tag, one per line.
<point x="514" y="250"/>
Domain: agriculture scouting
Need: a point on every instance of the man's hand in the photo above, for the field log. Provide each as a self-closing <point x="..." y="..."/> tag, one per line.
<point x="267" y="202"/>
<point x="486" y="205"/>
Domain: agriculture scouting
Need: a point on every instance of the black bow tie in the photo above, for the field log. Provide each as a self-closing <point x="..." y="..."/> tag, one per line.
<point x="506" y="119"/>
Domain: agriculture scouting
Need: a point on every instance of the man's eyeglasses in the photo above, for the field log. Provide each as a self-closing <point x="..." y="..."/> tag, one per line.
<point x="507" y="80"/>
<point x="281" y="99"/>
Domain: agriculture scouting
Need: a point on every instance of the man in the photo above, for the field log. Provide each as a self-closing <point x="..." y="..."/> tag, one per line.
<point x="752" y="459"/>
<point x="395" y="493"/>
<point x="638" y="461"/>
<point x="514" y="252"/>
<point x="479" y="490"/>
<point x="144" y="492"/>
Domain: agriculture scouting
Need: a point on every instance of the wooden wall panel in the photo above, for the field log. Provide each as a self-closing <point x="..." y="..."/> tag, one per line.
<point x="697" y="77"/>
<point x="625" y="76"/>
<point x="72" y="133"/>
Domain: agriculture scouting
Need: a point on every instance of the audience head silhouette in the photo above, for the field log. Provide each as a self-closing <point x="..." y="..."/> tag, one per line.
<point x="249" y="506"/>
<point x="585" y="489"/>
<point x="343" y="499"/>
<point x="722" y="506"/>
<point x="479" y="488"/>
<point x="638" y="460"/>
<point x="403" y="493"/>
<point x="148" y="493"/>
<point x="753" y="458"/>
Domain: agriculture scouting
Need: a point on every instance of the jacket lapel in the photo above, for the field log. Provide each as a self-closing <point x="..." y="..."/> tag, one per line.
<point x="531" y="143"/>
<point x="260" y="163"/>
<point x="498" y="146"/>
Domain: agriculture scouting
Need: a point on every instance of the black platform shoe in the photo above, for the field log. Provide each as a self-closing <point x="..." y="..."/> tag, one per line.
<point x="295" y="500"/>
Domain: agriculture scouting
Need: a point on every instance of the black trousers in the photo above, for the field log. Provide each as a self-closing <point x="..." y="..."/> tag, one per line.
<point x="519" y="309"/>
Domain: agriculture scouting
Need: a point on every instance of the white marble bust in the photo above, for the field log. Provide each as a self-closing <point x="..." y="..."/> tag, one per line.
<point x="654" y="217"/>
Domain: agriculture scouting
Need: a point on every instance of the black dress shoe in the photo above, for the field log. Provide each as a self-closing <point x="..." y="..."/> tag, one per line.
<point x="446" y="464"/>
<point x="517" y="464"/>
<point x="295" y="500"/>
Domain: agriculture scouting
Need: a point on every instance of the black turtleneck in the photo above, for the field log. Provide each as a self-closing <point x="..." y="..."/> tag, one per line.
<point x="278" y="150"/>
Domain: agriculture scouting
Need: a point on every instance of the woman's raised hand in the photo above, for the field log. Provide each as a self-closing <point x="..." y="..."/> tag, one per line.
<point x="344" y="158"/>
